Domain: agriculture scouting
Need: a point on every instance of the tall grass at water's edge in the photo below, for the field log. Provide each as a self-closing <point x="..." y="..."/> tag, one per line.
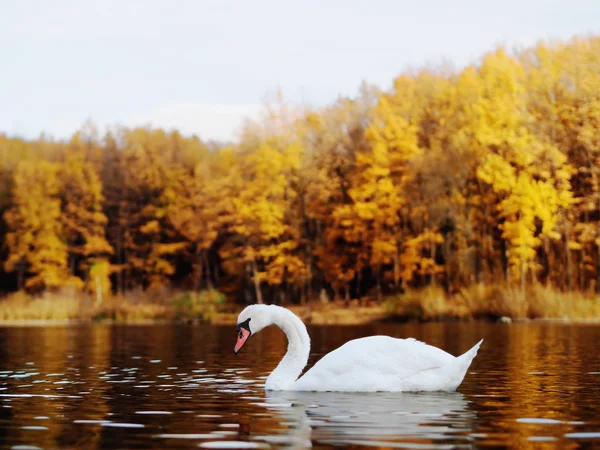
<point x="432" y="303"/>
<point x="64" y="306"/>
<point x="494" y="301"/>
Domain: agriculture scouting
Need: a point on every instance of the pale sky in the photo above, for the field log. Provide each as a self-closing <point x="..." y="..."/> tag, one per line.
<point x="202" y="65"/>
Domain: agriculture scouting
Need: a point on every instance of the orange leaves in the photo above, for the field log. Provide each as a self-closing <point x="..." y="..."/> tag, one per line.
<point x="195" y="204"/>
<point x="35" y="238"/>
<point x="416" y="256"/>
<point x="383" y="250"/>
<point x="150" y="227"/>
<point x="282" y="265"/>
<point x="57" y="216"/>
<point x="156" y="202"/>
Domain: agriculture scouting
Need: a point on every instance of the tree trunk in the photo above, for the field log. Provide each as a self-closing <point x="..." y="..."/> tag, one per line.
<point x="306" y="290"/>
<point x="358" y="282"/>
<point x="21" y="275"/>
<point x="300" y="295"/>
<point x="257" y="290"/>
<point x="98" y="291"/>
<point x="569" y="270"/>
<point x="548" y="262"/>
<point x="282" y="295"/>
<point x="120" y="260"/>
<point x="598" y="259"/>
<point x="598" y="267"/>
<point x="523" y="274"/>
<point x="396" y="269"/>
<point x="378" y="283"/>
<point x="71" y="262"/>
<point x="432" y="254"/>
<point x="207" y="267"/>
<point x="397" y="281"/>
<point x="200" y="274"/>
<point x="506" y="262"/>
<point x="486" y="269"/>
<point x="582" y="269"/>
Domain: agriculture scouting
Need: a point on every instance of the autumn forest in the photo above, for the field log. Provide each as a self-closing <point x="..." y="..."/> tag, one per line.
<point x="487" y="175"/>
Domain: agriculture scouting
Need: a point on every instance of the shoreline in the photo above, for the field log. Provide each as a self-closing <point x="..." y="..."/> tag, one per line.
<point x="482" y="303"/>
<point x="372" y="315"/>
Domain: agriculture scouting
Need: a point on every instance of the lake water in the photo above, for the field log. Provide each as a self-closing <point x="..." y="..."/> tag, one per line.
<point x="180" y="386"/>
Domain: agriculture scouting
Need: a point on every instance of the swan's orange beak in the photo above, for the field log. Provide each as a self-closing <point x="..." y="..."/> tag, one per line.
<point x="243" y="335"/>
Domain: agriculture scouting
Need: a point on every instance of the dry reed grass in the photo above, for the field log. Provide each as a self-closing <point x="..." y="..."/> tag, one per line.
<point x="495" y="301"/>
<point x="136" y="306"/>
<point x="432" y="303"/>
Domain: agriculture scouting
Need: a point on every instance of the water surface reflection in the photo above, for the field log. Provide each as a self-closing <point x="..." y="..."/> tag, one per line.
<point x="372" y="418"/>
<point x="180" y="386"/>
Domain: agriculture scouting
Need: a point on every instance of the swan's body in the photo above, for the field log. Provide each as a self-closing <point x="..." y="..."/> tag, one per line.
<point x="375" y="363"/>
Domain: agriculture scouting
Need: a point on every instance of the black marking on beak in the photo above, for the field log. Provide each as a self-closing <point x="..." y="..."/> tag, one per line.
<point x="246" y="326"/>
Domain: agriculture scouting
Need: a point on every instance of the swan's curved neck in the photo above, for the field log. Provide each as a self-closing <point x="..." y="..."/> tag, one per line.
<point x="290" y="367"/>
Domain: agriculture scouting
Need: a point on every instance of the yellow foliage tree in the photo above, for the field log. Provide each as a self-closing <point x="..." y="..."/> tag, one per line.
<point x="35" y="240"/>
<point x="530" y="173"/>
<point x="269" y="242"/>
<point x="149" y="242"/>
<point x="83" y="219"/>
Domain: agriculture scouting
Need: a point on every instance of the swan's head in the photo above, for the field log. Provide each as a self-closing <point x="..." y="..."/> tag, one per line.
<point x="250" y="321"/>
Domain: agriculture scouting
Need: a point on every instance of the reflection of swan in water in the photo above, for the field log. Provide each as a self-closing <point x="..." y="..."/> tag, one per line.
<point x="349" y="418"/>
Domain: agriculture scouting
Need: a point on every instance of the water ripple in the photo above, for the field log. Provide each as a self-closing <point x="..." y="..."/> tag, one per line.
<point x="153" y="391"/>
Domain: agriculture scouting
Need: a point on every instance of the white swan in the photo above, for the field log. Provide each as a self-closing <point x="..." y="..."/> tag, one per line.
<point x="375" y="363"/>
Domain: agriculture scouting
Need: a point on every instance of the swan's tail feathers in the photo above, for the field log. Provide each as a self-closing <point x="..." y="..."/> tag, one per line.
<point x="466" y="358"/>
<point x="464" y="361"/>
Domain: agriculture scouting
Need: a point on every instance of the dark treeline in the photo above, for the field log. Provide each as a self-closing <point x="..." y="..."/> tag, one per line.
<point x="488" y="174"/>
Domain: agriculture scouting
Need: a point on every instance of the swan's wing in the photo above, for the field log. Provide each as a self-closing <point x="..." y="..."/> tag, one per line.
<point x="372" y="363"/>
